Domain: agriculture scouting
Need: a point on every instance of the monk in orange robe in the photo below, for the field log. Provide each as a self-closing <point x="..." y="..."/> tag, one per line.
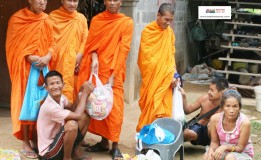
<point x="70" y="32"/>
<point x="29" y="39"/>
<point x="157" y="65"/>
<point x="106" y="51"/>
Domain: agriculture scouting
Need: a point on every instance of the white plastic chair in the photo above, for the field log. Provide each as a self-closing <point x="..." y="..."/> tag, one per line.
<point x="168" y="151"/>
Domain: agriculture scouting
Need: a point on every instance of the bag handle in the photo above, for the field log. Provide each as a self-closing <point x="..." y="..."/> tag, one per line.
<point x="159" y="133"/>
<point x="139" y="143"/>
<point x="45" y="71"/>
<point x="97" y="80"/>
<point x="198" y="22"/>
<point x="178" y="86"/>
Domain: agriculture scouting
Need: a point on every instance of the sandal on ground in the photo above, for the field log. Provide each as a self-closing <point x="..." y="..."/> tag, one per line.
<point x="98" y="147"/>
<point x="29" y="154"/>
<point x="116" y="154"/>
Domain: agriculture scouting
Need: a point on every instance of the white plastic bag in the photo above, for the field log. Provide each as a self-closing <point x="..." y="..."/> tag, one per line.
<point x="141" y="157"/>
<point x="159" y="133"/>
<point x="100" y="101"/>
<point x="151" y="155"/>
<point x="177" y="105"/>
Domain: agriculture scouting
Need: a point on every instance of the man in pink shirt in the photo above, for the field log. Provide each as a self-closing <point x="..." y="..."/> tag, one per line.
<point x="61" y="127"/>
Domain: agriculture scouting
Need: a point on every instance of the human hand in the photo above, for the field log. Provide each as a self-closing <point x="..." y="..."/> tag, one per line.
<point x="95" y="63"/>
<point x="78" y="62"/>
<point x="219" y="152"/>
<point x="87" y="88"/>
<point x="183" y="93"/>
<point x="210" y="154"/>
<point x="32" y="58"/>
<point x="43" y="61"/>
<point x="174" y="82"/>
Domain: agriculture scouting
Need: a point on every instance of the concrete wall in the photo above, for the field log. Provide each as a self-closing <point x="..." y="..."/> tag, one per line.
<point x="144" y="12"/>
<point x="180" y="29"/>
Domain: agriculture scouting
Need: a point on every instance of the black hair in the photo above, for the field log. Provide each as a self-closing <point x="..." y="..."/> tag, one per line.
<point x="220" y="82"/>
<point x="51" y="74"/>
<point x="166" y="7"/>
<point x="231" y="92"/>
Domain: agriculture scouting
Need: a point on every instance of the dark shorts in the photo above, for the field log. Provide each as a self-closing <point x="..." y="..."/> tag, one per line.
<point x="202" y="132"/>
<point x="56" y="149"/>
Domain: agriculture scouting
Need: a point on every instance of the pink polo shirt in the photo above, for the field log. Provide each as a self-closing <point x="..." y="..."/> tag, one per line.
<point x="50" y="120"/>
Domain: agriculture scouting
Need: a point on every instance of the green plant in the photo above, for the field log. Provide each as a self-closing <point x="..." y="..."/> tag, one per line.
<point x="257" y="156"/>
<point x="255" y="127"/>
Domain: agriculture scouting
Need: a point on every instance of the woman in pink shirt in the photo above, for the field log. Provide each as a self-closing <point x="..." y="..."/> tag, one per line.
<point x="230" y="131"/>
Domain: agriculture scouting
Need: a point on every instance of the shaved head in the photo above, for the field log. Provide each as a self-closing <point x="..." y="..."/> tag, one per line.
<point x="165" y="15"/>
<point x="166" y="7"/>
<point x="37" y="6"/>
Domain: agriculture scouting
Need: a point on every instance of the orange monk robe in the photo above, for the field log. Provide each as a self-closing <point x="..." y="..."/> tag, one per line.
<point x="27" y="34"/>
<point x="156" y="61"/>
<point x="110" y="36"/>
<point x="70" y="32"/>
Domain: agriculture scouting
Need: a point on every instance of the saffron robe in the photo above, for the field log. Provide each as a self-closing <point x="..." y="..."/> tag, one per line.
<point x="110" y="36"/>
<point x="156" y="61"/>
<point x="27" y="34"/>
<point x="70" y="32"/>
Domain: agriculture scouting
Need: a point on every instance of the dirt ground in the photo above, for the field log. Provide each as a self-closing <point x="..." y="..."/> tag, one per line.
<point x="131" y="115"/>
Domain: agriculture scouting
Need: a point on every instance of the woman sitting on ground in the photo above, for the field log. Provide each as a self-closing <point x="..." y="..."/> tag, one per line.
<point x="230" y="131"/>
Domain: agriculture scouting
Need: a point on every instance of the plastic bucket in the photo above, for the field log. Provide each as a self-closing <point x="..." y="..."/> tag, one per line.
<point x="257" y="90"/>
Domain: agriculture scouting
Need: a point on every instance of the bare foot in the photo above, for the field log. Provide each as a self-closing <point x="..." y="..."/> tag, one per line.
<point x="27" y="150"/>
<point x="27" y="146"/>
<point x="34" y="146"/>
<point x="79" y="154"/>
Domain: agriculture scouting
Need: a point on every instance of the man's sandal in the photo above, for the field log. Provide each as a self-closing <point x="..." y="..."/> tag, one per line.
<point x="116" y="154"/>
<point x="29" y="154"/>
